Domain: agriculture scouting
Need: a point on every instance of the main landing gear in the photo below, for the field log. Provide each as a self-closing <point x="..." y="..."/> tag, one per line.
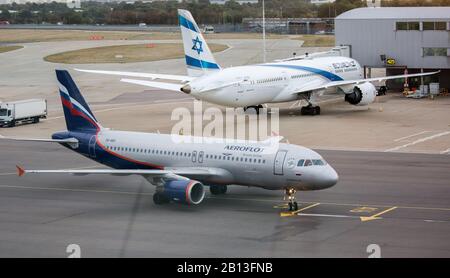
<point x="218" y="189"/>
<point x="290" y="196"/>
<point x="256" y="107"/>
<point x="160" y="199"/>
<point x="310" y="110"/>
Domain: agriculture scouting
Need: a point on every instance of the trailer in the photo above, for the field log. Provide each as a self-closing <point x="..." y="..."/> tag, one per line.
<point x="23" y="111"/>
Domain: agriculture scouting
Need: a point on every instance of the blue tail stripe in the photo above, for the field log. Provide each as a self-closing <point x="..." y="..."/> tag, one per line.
<point x="190" y="61"/>
<point x="187" y="23"/>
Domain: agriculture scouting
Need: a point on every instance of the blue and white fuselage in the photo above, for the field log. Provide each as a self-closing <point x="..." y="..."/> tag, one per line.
<point x="272" y="82"/>
<point x="254" y="85"/>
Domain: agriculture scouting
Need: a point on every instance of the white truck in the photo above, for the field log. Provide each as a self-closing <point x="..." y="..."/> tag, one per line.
<point x="30" y="110"/>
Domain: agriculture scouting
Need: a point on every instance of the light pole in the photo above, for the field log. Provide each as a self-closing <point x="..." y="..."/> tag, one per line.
<point x="264" y="31"/>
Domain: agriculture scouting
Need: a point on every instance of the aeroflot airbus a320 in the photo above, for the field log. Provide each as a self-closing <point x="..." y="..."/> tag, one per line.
<point x="254" y="85"/>
<point x="179" y="170"/>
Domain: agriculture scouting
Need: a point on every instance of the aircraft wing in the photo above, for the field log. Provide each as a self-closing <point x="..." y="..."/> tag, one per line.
<point x="152" y="76"/>
<point x="359" y="81"/>
<point x="161" y="85"/>
<point x="168" y="172"/>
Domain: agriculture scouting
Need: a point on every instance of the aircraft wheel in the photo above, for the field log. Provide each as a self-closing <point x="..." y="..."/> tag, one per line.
<point x="159" y="199"/>
<point x="317" y="108"/>
<point x="224" y="189"/>
<point x="303" y="111"/>
<point x="310" y="110"/>
<point x="218" y="189"/>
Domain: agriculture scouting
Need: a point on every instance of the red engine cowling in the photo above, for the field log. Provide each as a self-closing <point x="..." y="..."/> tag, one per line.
<point x="362" y="94"/>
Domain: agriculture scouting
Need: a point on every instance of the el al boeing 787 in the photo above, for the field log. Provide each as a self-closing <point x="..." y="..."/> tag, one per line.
<point x="180" y="170"/>
<point x="254" y="85"/>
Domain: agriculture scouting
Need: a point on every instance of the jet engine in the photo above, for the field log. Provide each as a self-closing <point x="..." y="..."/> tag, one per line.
<point x="362" y="94"/>
<point x="189" y="192"/>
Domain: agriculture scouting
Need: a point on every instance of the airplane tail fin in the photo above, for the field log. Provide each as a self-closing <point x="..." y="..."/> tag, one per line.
<point x="77" y="113"/>
<point x="199" y="59"/>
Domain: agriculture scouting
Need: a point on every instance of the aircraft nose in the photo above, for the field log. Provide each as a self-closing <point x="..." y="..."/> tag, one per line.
<point x="330" y="178"/>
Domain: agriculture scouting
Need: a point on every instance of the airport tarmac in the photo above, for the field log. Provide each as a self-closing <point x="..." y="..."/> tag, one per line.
<point x="392" y="158"/>
<point x="406" y="195"/>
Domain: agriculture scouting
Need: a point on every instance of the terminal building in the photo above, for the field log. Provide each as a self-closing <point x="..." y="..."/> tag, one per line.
<point x="400" y="39"/>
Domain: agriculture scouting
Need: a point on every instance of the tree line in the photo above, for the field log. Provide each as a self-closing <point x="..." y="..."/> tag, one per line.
<point x="165" y="12"/>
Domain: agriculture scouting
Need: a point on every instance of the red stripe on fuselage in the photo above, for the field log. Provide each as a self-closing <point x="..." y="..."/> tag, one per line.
<point x="126" y="158"/>
<point x="75" y="112"/>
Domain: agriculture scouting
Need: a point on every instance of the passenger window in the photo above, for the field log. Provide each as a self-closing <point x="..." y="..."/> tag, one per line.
<point x="308" y="162"/>
<point x="300" y="162"/>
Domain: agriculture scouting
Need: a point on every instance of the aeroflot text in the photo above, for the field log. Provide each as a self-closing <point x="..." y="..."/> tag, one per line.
<point x="244" y="149"/>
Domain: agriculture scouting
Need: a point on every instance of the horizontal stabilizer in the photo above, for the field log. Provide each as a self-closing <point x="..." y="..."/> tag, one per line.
<point x="152" y="76"/>
<point x="160" y="85"/>
<point x="73" y="142"/>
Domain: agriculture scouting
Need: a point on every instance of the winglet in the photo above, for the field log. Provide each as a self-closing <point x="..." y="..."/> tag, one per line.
<point x="20" y="171"/>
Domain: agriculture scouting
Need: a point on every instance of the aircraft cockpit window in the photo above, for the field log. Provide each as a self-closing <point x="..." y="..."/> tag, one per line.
<point x="308" y="163"/>
<point x="319" y="162"/>
<point x="300" y="162"/>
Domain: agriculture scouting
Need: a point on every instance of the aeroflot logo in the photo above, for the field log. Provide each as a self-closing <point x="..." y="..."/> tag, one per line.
<point x="344" y="65"/>
<point x="244" y="149"/>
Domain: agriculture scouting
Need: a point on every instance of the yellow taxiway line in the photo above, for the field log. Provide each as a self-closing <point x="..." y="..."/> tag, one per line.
<point x="376" y="216"/>
<point x="292" y="213"/>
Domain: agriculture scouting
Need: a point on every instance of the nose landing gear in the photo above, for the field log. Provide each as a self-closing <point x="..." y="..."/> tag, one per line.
<point x="290" y="197"/>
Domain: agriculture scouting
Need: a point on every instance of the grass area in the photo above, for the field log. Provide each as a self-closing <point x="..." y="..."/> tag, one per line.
<point x="35" y="35"/>
<point x="6" y="48"/>
<point x="317" y="40"/>
<point x="124" y="53"/>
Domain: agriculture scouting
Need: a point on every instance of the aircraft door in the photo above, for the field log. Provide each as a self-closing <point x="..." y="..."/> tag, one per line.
<point x="92" y="143"/>
<point x="194" y="156"/>
<point x="278" y="162"/>
<point x="241" y="86"/>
